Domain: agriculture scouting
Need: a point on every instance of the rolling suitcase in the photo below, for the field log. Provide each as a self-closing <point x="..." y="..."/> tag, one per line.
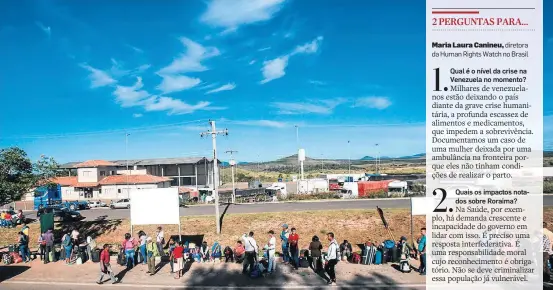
<point x="304" y="263"/>
<point x="121" y="259"/>
<point x="95" y="256"/>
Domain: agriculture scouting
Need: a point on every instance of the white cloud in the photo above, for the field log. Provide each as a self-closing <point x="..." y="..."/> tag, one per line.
<point x="98" y="78"/>
<point x="323" y="107"/>
<point x="190" y="60"/>
<point x="45" y="29"/>
<point x="232" y="14"/>
<point x="265" y="48"/>
<point x="226" y="87"/>
<point x="379" y="103"/>
<point x="137" y="115"/>
<point x="310" y="47"/>
<point x="177" y="83"/>
<point x="205" y="87"/>
<point x="141" y="69"/>
<point x="176" y="106"/>
<point x="131" y="96"/>
<point x="251" y="62"/>
<point x="136" y="49"/>
<point x="317" y="83"/>
<point x="118" y="70"/>
<point x="274" y="69"/>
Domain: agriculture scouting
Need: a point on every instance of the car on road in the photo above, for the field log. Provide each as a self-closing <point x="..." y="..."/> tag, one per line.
<point x="62" y="214"/>
<point x="96" y="204"/>
<point x="122" y="203"/>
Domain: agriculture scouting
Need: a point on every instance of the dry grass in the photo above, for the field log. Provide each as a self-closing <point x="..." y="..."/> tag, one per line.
<point x="357" y="226"/>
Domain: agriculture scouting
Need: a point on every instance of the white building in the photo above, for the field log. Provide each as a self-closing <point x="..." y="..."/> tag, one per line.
<point x="99" y="179"/>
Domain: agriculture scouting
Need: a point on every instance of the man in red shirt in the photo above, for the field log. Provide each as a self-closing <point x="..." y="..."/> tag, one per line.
<point x="8" y="218"/>
<point x="293" y="239"/>
<point x="105" y="267"/>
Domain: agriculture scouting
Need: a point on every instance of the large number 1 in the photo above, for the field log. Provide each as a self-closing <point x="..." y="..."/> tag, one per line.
<point x="437" y="79"/>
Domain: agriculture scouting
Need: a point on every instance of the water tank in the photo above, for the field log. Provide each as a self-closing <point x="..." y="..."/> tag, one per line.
<point x="301" y="155"/>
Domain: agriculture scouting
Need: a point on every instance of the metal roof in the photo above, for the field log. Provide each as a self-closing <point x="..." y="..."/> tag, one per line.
<point x="152" y="161"/>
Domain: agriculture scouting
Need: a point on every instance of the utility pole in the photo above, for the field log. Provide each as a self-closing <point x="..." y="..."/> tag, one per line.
<point x="232" y="163"/>
<point x="349" y="158"/>
<point x="213" y="132"/>
<point x="127" y="157"/>
<point x="377" y="160"/>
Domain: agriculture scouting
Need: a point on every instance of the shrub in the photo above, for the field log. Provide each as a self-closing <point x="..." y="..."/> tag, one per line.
<point x="548" y="186"/>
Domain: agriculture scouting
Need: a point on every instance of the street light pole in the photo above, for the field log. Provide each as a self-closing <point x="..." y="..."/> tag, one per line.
<point x="377" y="160"/>
<point x="127" y="161"/>
<point x="232" y="164"/>
<point x="213" y="132"/>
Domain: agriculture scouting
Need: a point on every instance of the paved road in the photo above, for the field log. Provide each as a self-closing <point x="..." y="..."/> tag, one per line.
<point x="91" y="286"/>
<point x="273" y="207"/>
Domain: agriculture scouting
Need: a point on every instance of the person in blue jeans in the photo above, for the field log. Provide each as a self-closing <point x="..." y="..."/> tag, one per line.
<point x="422" y="251"/>
<point x="285" y="246"/>
<point x="23" y="245"/>
<point x="142" y="236"/>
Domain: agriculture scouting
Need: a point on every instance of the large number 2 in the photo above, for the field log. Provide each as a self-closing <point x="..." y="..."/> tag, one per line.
<point x="444" y="195"/>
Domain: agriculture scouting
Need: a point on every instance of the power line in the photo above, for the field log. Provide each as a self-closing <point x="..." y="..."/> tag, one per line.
<point x="104" y="132"/>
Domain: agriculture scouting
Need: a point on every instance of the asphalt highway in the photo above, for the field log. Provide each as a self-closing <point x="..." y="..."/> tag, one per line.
<point x="93" y="214"/>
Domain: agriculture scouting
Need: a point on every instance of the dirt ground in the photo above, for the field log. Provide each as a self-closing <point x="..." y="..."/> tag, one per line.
<point x="357" y="226"/>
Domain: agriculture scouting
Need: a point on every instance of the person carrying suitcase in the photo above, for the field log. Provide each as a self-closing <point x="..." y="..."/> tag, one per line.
<point x="105" y="267"/>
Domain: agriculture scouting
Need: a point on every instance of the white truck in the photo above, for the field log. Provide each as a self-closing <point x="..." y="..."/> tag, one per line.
<point x="312" y="186"/>
<point x="398" y="188"/>
<point x="277" y="189"/>
<point x="349" y="190"/>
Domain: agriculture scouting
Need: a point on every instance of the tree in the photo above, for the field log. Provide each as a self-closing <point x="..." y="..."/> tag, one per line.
<point x="16" y="174"/>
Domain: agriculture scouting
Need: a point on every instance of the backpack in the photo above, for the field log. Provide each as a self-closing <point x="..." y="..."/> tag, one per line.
<point x="378" y="257"/>
<point x="404" y="267"/>
<point x="355" y="258"/>
<point x="389" y="244"/>
<point x="67" y="241"/>
<point x="228" y="251"/>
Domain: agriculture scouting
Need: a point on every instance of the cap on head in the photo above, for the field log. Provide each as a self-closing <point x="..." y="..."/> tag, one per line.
<point x="285" y="226"/>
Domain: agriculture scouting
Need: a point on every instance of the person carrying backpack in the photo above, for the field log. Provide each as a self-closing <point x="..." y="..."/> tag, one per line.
<point x="204" y="252"/>
<point x="404" y="255"/>
<point x="152" y="252"/>
<point x="285" y="246"/>
<point x="67" y="247"/>
<point x="251" y="252"/>
<point x="127" y="247"/>
<point x="23" y="247"/>
<point x="49" y="238"/>
<point x="315" y="248"/>
<point x="332" y="258"/>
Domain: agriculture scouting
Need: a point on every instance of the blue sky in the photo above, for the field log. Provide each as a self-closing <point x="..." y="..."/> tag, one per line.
<point x="76" y="75"/>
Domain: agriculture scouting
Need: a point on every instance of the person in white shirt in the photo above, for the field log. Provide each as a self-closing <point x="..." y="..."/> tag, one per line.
<point x="160" y="240"/>
<point x="75" y="237"/>
<point x="333" y="254"/>
<point x="251" y="252"/>
<point x="271" y="247"/>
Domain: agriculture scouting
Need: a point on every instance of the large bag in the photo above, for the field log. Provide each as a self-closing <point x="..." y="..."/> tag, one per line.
<point x="16" y="258"/>
<point x="51" y="256"/>
<point x="389" y="244"/>
<point x="355" y="258"/>
<point x="7" y="259"/>
<point x="304" y="263"/>
<point x="95" y="256"/>
<point x="395" y="253"/>
<point x="378" y="258"/>
<point x="404" y="267"/>
<point x="369" y="255"/>
<point x="121" y="259"/>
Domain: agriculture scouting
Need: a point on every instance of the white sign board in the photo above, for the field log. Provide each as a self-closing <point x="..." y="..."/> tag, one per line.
<point x="421" y="205"/>
<point x="155" y="206"/>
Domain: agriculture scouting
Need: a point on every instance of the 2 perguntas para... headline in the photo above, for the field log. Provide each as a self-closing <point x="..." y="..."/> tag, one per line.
<point x="478" y="21"/>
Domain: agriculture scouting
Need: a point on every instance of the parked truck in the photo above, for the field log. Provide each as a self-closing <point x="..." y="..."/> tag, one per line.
<point x="368" y="188"/>
<point x="398" y="188"/>
<point x="50" y="196"/>
<point x="313" y="186"/>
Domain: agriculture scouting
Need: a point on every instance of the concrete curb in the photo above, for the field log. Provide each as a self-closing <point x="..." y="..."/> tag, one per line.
<point x="307" y="201"/>
<point x="172" y="286"/>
